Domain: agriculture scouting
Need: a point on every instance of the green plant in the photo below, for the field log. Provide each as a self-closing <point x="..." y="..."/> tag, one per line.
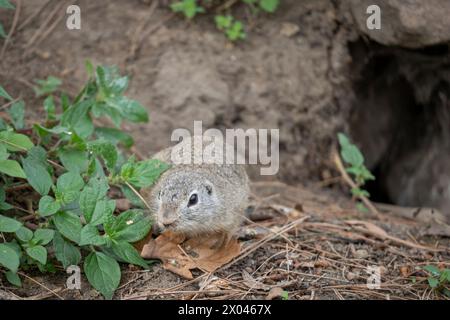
<point x="70" y="165"/>
<point x="232" y="28"/>
<point x="269" y="6"/>
<point x="438" y="279"/>
<point x="4" y="4"/>
<point x="354" y="159"/>
<point x="189" y="8"/>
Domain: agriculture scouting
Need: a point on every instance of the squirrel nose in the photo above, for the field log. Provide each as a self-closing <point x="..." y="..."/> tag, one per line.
<point x="157" y="229"/>
<point x="167" y="218"/>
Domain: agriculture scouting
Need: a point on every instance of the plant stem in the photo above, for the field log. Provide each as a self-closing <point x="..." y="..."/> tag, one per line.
<point x="138" y="194"/>
<point x="352" y="184"/>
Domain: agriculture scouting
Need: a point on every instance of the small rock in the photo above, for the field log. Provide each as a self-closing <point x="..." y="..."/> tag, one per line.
<point x="289" y="29"/>
<point x="351" y="276"/>
<point x="361" y="254"/>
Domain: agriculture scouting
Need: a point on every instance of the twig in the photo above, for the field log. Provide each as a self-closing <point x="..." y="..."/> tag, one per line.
<point x="40" y="284"/>
<point x="6" y="105"/>
<point x="258" y="244"/>
<point x="48" y="31"/>
<point x="32" y="16"/>
<point x="352" y="184"/>
<point x="13" y="27"/>
<point x="228" y="4"/>
<point x="138" y="195"/>
<point x="43" y="26"/>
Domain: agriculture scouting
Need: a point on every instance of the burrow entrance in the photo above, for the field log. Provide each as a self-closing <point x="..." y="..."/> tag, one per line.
<point x="401" y="121"/>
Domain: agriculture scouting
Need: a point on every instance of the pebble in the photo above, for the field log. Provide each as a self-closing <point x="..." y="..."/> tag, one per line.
<point x="361" y="254"/>
<point x="289" y="29"/>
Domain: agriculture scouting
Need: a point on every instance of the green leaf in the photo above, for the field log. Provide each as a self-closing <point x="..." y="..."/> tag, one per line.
<point x="73" y="159"/>
<point x="361" y="207"/>
<point x="50" y="108"/>
<point x="2" y="32"/>
<point x="109" y="80"/>
<point x="3" y="205"/>
<point x="85" y="127"/>
<point x="36" y="171"/>
<point x="128" y="253"/>
<point x="8" y="224"/>
<point x="129" y="109"/>
<point x="101" y="109"/>
<point x="352" y="156"/>
<point x="5" y="94"/>
<point x="43" y="236"/>
<point x="69" y="225"/>
<point x="47" y="86"/>
<point x="102" y="209"/>
<point x="38" y="253"/>
<point x="65" y="252"/>
<point x="90" y="235"/>
<point x="9" y="258"/>
<point x="103" y="273"/>
<point x="188" y="7"/>
<point x="72" y="118"/>
<point x="13" y="278"/>
<point x="48" y="206"/>
<point x="115" y="136"/>
<point x="433" y="270"/>
<point x="445" y="276"/>
<point x="144" y="173"/>
<point x="3" y="152"/>
<point x="17" y="113"/>
<point x="358" y="192"/>
<point x="24" y="234"/>
<point x="6" y="4"/>
<point x="130" y="195"/>
<point x="433" y="282"/>
<point x="223" y="22"/>
<point x="130" y="226"/>
<point x="106" y="150"/>
<point x="70" y="181"/>
<point x="92" y="193"/>
<point x="12" y="168"/>
<point x="269" y="5"/>
<point x="15" y="141"/>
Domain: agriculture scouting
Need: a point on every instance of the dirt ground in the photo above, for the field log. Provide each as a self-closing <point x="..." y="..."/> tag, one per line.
<point x="312" y="243"/>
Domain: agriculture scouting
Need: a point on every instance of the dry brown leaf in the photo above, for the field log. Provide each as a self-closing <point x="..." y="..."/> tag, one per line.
<point x="405" y="272"/>
<point x="275" y="292"/>
<point x="196" y="253"/>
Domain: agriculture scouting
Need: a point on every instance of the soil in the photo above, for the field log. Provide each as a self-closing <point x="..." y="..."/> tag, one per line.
<point x="310" y="84"/>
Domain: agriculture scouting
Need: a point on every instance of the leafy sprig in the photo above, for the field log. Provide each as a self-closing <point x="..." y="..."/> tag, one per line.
<point x="354" y="159"/>
<point x="71" y="165"/>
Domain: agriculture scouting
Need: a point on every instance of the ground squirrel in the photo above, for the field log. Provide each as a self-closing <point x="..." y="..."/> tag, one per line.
<point x="199" y="199"/>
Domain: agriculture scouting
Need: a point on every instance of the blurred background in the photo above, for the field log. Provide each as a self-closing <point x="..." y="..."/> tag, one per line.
<point x="311" y="68"/>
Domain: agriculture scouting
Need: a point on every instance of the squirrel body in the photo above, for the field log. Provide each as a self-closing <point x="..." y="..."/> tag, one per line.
<point x="199" y="199"/>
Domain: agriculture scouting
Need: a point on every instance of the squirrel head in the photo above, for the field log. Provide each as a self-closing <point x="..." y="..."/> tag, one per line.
<point x="183" y="201"/>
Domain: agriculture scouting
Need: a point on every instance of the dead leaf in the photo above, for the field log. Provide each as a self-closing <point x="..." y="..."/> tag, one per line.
<point x="196" y="253"/>
<point x="321" y="263"/>
<point x="275" y="292"/>
<point x="404" y="270"/>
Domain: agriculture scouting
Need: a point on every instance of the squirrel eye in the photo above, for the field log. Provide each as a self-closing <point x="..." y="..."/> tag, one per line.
<point x="193" y="200"/>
